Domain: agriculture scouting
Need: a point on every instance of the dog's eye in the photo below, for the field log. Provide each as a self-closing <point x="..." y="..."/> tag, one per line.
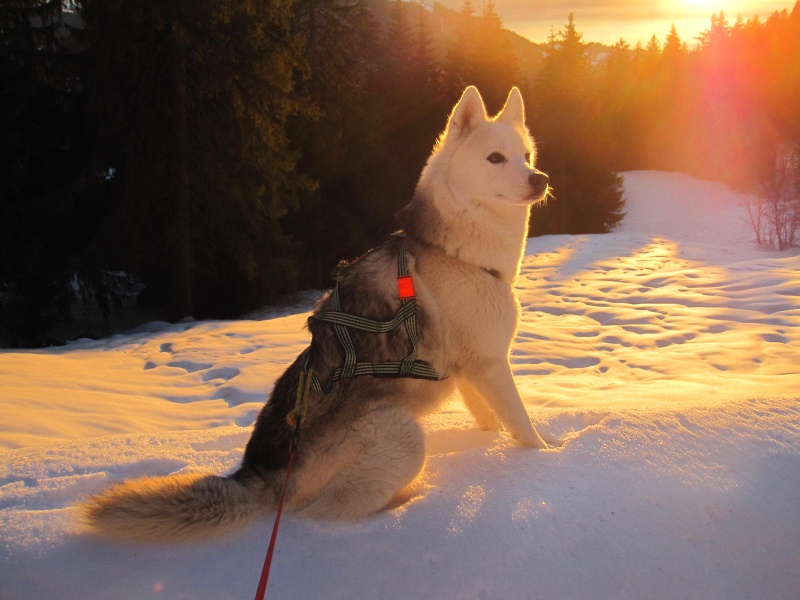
<point x="496" y="158"/>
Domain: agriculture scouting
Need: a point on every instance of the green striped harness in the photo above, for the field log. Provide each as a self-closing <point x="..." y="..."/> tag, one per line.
<point x="410" y="366"/>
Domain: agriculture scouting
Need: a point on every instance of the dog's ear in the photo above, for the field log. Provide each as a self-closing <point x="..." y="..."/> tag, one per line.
<point x="469" y="111"/>
<point x="513" y="112"/>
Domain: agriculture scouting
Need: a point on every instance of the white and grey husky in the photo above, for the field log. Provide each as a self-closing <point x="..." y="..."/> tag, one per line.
<point x="381" y="355"/>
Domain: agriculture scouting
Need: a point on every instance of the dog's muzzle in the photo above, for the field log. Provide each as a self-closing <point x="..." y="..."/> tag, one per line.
<point x="538" y="182"/>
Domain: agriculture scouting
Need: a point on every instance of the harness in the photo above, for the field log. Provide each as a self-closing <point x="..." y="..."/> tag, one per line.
<point x="410" y="366"/>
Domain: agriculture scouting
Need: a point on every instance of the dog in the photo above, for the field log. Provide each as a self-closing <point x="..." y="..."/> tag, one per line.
<point x="360" y="441"/>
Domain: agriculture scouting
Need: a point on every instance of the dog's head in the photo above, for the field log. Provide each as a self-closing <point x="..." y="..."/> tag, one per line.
<point x="489" y="160"/>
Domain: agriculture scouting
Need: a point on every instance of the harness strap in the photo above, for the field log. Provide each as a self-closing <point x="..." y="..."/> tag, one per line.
<point x="304" y="384"/>
<point x="419" y="370"/>
<point x="335" y="316"/>
<point x="405" y="288"/>
<point x="410" y="366"/>
<point x="350" y="356"/>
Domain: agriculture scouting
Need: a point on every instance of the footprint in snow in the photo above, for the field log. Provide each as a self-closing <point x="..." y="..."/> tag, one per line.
<point x="223" y="373"/>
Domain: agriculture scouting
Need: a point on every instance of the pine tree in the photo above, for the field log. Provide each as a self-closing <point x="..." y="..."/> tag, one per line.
<point x="481" y="54"/>
<point x="668" y="106"/>
<point x="673" y="47"/>
<point x="414" y="98"/>
<point x="717" y="34"/>
<point x="618" y="92"/>
<point x="423" y="57"/>
<point x="344" y="149"/>
<point x="195" y="135"/>
<point x="462" y="53"/>
<point x="41" y="170"/>
<point x="399" y="45"/>
<point x="588" y="194"/>
<point x="398" y="66"/>
<point x="653" y="48"/>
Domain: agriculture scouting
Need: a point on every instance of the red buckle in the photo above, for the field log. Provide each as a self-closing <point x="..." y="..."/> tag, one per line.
<point x="405" y="287"/>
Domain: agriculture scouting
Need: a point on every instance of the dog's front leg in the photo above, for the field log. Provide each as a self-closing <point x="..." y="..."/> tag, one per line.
<point x="485" y="418"/>
<point x="495" y="383"/>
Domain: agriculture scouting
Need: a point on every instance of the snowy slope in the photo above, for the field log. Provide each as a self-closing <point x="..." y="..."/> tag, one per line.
<point x="664" y="354"/>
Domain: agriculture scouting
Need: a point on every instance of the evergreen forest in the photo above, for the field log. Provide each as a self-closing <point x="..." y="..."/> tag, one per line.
<point x="208" y="158"/>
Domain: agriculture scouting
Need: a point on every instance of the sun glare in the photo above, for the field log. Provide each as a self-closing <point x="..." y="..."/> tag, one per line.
<point x="704" y="8"/>
<point x="708" y="7"/>
<point x="704" y="4"/>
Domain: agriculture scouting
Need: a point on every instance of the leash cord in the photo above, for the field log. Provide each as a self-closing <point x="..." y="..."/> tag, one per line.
<point x="262" y="584"/>
<point x="296" y="418"/>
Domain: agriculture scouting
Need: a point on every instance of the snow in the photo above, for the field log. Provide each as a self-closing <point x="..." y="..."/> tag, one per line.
<point x="664" y="355"/>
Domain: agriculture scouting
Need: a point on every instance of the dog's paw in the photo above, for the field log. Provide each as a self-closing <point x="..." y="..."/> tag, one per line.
<point x="552" y="441"/>
<point x="530" y="439"/>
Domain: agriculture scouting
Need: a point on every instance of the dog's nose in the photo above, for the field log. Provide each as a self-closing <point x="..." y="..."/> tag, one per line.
<point x="538" y="182"/>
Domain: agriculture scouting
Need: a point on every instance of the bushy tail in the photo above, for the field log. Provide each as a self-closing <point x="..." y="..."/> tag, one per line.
<point x="173" y="508"/>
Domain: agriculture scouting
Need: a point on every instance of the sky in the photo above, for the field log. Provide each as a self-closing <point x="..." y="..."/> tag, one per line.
<point x="633" y="20"/>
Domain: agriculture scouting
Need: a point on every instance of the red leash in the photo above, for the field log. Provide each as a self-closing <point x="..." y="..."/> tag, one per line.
<point x="262" y="584"/>
<point x="294" y="418"/>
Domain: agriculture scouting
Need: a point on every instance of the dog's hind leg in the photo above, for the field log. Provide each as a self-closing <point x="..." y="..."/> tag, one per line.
<point x="388" y="451"/>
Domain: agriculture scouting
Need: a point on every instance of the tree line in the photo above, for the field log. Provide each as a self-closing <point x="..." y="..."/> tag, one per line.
<point x="717" y="110"/>
<point x="216" y="157"/>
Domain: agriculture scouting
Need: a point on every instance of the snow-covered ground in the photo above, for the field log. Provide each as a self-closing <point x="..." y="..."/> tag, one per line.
<point x="665" y="354"/>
